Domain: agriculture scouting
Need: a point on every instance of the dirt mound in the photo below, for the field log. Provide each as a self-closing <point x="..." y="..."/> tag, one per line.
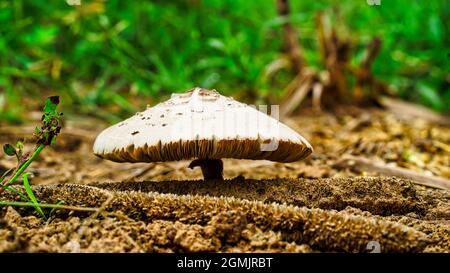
<point x="136" y="221"/>
<point x="377" y="195"/>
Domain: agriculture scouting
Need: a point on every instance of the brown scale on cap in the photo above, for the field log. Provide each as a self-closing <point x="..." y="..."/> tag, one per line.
<point x="204" y="126"/>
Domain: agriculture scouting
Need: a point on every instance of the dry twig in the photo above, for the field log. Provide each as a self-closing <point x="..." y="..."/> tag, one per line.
<point x="292" y="46"/>
<point x="362" y="164"/>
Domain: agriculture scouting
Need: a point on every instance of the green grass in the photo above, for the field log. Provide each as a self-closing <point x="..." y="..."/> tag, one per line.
<point x="101" y="53"/>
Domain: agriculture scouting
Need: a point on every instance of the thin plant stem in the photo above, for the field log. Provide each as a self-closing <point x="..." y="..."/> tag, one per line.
<point x="53" y="206"/>
<point x="26" y="164"/>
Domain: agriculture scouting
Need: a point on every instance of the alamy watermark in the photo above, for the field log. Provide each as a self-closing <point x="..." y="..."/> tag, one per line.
<point x="373" y="2"/>
<point x="73" y="2"/>
<point x="254" y="122"/>
<point x="373" y="247"/>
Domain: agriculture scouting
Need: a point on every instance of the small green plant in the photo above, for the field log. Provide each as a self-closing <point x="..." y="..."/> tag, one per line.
<point x="45" y="136"/>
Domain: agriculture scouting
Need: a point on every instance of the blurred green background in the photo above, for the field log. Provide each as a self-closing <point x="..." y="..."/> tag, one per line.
<point x="111" y="58"/>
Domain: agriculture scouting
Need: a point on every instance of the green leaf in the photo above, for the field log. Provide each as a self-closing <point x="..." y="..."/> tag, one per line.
<point x="19" y="145"/>
<point x="50" y="104"/>
<point x="30" y="193"/>
<point x="430" y="96"/>
<point x="42" y="35"/>
<point x="9" y="150"/>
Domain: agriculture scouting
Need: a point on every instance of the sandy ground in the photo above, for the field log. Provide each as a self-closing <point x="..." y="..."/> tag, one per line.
<point x="314" y="205"/>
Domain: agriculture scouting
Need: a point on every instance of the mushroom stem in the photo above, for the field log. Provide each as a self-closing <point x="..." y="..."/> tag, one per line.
<point x="211" y="168"/>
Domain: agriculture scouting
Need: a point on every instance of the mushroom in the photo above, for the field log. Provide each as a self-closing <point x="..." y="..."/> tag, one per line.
<point x="204" y="126"/>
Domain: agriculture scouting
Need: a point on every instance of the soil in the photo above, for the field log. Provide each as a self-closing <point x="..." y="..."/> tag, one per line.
<point x="308" y="206"/>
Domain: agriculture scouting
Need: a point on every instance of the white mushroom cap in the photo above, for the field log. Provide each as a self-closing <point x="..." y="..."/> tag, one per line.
<point x="200" y="124"/>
